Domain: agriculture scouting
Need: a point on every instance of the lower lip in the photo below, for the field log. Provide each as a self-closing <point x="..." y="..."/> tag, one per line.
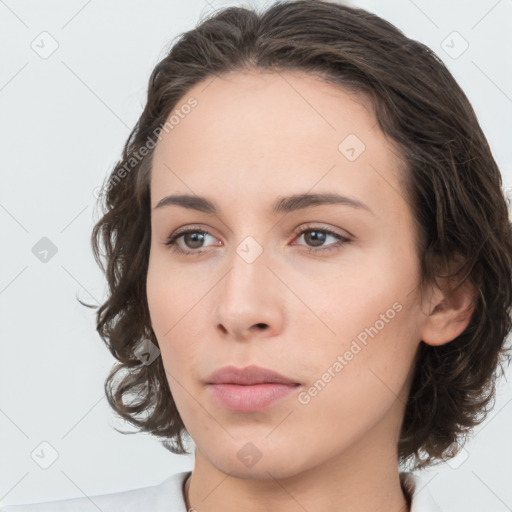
<point x="250" y="398"/>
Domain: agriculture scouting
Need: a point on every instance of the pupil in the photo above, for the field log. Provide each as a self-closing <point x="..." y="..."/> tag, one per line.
<point x="196" y="238"/>
<point x="317" y="237"/>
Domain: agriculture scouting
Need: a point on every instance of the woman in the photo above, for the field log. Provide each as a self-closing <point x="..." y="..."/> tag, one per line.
<point x="309" y="259"/>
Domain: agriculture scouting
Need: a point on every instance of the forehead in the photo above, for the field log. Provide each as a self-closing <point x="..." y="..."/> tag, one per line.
<point x="258" y="134"/>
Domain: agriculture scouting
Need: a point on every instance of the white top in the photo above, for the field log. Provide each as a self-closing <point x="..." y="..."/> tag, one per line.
<point x="168" y="497"/>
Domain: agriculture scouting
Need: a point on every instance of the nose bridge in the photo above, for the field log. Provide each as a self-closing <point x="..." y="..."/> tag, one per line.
<point x="248" y="275"/>
<point x="246" y="296"/>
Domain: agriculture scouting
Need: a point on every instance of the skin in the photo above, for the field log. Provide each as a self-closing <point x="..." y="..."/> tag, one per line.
<point x="252" y="138"/>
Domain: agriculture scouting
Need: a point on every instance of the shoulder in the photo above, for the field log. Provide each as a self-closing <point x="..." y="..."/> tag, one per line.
<point x="164" y="497"/>
<point x="418" y="492"/>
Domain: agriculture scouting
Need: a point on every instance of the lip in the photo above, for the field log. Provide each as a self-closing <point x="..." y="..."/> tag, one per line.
<point x="249" y="389"/>
<point x="247" y="376"/>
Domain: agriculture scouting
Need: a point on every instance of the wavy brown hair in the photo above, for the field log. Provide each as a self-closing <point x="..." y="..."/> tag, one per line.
<point x="450" y="181"/>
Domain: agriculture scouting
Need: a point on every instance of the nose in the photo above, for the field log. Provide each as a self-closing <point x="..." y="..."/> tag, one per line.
<point x="249" y="300"/>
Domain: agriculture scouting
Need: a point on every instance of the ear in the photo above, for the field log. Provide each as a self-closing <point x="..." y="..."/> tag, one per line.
<point x="448" y="311"/>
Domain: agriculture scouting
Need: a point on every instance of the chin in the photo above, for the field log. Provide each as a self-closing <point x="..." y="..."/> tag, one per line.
<point x="257" y="460"/>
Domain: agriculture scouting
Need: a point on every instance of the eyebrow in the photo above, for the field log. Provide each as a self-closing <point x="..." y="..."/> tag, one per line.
<point x="281" y="205"/>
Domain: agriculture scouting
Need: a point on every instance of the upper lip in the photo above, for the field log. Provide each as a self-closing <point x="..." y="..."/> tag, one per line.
<point x="247" y="376"/>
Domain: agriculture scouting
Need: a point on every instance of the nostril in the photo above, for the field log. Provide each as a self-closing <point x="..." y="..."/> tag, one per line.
<point x="261" y="326"/>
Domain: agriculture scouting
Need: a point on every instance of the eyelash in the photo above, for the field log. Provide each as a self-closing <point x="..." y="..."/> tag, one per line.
<point x="175" y="248"/>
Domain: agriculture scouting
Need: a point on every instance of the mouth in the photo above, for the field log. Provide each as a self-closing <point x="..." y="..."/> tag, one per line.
<point x="249" y="389"/>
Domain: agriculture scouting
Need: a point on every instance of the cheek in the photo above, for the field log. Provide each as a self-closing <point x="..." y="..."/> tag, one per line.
<point x="164" y="309"/>
<point x="177" y="315"/>
<point x="369" y="336"/>
<point x="158" y="295"/>
<point x="167" y="294"/>
<point x="357" y="381"/>
<point x="348" y="298"/>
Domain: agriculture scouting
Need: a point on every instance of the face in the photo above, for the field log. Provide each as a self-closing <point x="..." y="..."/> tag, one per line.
<point x="320" y="292"/>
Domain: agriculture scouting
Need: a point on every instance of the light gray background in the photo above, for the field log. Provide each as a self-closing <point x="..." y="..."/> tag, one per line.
<point x="63" y="121"/>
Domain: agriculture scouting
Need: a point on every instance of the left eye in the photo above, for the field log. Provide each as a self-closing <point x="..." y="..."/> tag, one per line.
<point x="194" y="238"/>
<point x="317" y="237"/>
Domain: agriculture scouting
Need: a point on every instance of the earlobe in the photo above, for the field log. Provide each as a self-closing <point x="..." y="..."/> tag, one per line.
<point x="450" y="316"/>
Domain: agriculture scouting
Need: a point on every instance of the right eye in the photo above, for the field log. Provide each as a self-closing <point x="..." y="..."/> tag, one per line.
<point x="193" y="238"/>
